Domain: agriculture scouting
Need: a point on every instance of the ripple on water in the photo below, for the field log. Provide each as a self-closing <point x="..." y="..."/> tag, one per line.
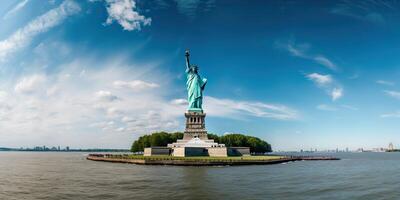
<point x="33" y="175"/>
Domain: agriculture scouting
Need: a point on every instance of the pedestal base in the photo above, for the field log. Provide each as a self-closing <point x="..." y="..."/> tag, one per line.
<point x="220" y="151"/>
<point x="195" y="142"/>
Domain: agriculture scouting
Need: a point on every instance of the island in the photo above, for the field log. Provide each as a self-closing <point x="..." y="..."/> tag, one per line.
<point x="196" y="147"/>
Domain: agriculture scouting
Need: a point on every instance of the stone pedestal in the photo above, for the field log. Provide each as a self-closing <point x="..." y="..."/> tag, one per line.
<point x="195" y="126"/>
<point x="195" y="134"/>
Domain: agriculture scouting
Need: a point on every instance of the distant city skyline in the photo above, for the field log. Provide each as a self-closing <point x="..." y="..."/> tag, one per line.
<point x="61" y="149"/>
<point x="299" y="75"/>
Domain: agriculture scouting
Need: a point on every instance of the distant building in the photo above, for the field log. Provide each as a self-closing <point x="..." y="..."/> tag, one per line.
<point x="67" y="148"/>
<point x="391" y="148"/>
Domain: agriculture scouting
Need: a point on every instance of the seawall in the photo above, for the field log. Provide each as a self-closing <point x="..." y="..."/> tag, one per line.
<point x="200" y="162"/>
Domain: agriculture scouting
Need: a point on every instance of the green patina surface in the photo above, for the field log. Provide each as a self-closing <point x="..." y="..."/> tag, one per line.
<point x="195" y="86"/>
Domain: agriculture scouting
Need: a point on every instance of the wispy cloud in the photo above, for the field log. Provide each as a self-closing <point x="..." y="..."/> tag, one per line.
<point x="191" y="8"/>
<point x="374" y="11"/>
<point x="30" y="83"/>
<point x="383" y="82"/>
<point x="234" y="109"/>
<point x="391" y="115"/>
<point x="136" y="85"/>
<point x="349" y="107"/>
<point x="230" y="108"/>
<point x="180" y="102"/>
<point x="324" y="61"/>
<point x="327" y="83"/>
<point x="320" y="79"/>
<point x="301" y="51"/>
<point x="126" y="14"/>
<point x="15" y="9"/>
<point x="391" y="93"/>
<point x="22" y="37"/>
<point x="325" y="107"/>
<point x="331" y="108"/>
<point x="336" y="93"/>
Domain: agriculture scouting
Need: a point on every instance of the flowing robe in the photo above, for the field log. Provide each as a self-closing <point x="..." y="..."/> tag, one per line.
<point x="195" y="86"/>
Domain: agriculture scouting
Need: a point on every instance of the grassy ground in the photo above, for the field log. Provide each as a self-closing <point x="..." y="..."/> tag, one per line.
<point x="199" y="158"/>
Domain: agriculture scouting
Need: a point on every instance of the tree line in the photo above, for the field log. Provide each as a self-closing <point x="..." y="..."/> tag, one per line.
<point x="230" y="140"/>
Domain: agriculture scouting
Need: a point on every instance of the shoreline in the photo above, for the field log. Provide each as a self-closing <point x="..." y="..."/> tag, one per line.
<point x="193" y="161"/>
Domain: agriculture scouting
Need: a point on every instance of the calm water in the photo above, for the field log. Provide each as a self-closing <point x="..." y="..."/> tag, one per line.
<point x="32" y="175"/>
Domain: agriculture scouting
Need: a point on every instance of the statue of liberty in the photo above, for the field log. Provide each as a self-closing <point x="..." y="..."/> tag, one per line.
<point x="195" y="86"/>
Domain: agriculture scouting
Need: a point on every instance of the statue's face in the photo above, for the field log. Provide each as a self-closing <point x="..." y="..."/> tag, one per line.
<point x="194" y="68"/>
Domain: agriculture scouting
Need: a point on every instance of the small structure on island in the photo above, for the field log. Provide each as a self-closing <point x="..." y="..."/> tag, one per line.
<point x="195" y="141"/>
<point x="391" y="147"/>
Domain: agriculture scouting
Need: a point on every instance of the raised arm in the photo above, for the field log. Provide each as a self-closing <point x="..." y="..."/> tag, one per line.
<point x="187" y="60"/>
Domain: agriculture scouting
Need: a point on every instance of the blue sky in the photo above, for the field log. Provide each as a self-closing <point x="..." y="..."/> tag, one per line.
<point x="298" y="74"/>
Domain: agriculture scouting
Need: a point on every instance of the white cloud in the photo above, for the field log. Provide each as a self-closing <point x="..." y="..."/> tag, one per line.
<point x="179" y="102"/>
<point x="14" y="10"/>
<point x="84" y="111"/>
<point x="336" y="93"/>
<point x="328" y="84"/>
<point x="105" y="96"/>
<point x="30" y="83"/>
<point x="302" y="52"/>
<point x="136" y="85"/>
<point x="383" y="82"/>
<point x="124" y="12"/>
<point x="23" y="36"/>
<point x="319" y="79"/>
<point x="393" y="94"/>
<point x="236" y="109"/>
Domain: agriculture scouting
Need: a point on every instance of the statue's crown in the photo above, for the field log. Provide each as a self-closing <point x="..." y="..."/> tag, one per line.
<point x="194" y="67"/>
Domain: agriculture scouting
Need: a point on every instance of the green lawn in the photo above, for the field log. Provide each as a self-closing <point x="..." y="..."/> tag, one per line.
<point x="198" y="158"/>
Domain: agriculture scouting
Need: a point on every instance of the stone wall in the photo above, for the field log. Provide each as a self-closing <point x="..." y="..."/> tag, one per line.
<point x="195" y="151"/>
<point x="152" y="151"/>
<point x="178" y="152"/>
<point x="218" y="152"/>
<point x="239" y="151"/>
<point x="189" y="151"/>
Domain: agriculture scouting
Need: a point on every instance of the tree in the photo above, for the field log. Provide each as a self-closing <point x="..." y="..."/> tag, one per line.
<point x="214" y="137"/>
<point x="239" y="140"/>
<point x="155" y="139"/>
